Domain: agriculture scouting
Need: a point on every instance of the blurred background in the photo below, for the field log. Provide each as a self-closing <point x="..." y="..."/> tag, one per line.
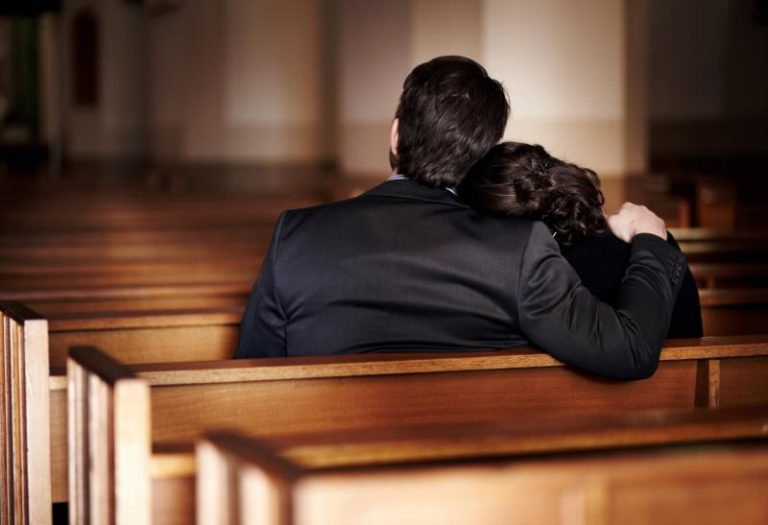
<point x="666" y="99"/>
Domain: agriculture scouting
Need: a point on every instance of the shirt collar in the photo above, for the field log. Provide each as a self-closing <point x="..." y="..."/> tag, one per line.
<point x="400" y="176"/>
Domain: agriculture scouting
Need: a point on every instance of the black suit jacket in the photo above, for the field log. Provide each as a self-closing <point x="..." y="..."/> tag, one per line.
<point x="408" y="267"/>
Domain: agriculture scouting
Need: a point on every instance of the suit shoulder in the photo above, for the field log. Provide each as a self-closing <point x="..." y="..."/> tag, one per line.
<point x="297" y="217"/>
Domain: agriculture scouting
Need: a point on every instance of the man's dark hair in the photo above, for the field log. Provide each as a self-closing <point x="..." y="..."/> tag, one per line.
<point x="450" y="114"/>
<point x="524" y="180"/>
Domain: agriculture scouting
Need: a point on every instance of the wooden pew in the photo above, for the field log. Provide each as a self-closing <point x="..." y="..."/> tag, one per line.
<point x="41" y="248"/>
<point x="140" y="338"/>
<point x="83" y="300"/>
<point x="218" y="269"/>
<point x="718" y="234"/>
<point x="248" y="482"/>
<point x="315" y="395"/>
<point x="729" y="275"/>
<point x="151" y="336"/>
<point x="109" y="446"/>
<point x="26" y="382"/>
<point x="741" y="251"/>
<point x="735" y="311"/>
<point x="77" y="214"/>
<point x="25" y="476"/>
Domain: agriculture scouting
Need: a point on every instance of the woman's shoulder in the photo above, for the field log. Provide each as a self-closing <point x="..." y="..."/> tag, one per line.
<point x="600" y="261"/>
<point x="602" y="246"/>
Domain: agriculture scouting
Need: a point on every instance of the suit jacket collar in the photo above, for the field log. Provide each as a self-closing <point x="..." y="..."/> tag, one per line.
<point x="412" y="190"/>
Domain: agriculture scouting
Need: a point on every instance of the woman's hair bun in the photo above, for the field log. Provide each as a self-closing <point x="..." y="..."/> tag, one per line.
<point x="524" y="180"/>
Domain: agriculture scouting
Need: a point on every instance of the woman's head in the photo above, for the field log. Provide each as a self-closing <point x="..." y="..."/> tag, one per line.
<point x="523" y="180"/>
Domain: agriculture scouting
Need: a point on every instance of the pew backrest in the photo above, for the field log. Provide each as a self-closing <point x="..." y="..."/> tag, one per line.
<point x="25" y="476"/>
<point x="734" y="311"/>
<point x="313" y="395"/>
<point x="109" y="442"/>
<point x="66" y="300"/>
<point x="247" y="481"/>
<point x="729" y="275"/>
<point x="148" y="337"/>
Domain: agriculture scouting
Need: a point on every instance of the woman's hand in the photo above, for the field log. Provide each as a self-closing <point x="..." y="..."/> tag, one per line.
<point x="633" y="219"/>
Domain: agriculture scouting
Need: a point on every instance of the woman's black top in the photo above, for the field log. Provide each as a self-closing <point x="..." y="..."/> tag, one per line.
<point x="601" y="261"/>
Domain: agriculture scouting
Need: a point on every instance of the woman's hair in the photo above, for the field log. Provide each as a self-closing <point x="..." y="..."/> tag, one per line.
<point x="523" y="180"/>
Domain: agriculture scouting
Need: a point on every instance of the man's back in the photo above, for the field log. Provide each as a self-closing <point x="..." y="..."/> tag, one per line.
<point x="401" y="267"/>
<point x="406" y="267"/>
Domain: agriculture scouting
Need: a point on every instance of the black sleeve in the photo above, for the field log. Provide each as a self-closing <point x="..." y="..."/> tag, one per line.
<point x="262" y="330"/>
<point x="564" y="319"/>
<point x="686" y="317"/>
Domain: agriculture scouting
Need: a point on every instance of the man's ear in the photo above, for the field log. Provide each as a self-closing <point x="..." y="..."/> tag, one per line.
<point x="394" y="137"/>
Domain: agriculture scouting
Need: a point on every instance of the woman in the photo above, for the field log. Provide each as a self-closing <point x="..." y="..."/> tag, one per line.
<point x="523" y="180"/>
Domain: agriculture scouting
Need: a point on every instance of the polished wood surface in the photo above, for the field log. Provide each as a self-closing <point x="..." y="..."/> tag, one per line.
<point x="332" y="484"/>
<point x="510" y="436"/>
<point x="283" y="396"/>
<point x="729" y="275"/>
<point x="734" y="311"/>
<point x="159" y="278"/>
<point x="109" y="443"/>
<point x="370" y="391"/>
<point x="148" y="336"/>
<point x="25" y="477"/>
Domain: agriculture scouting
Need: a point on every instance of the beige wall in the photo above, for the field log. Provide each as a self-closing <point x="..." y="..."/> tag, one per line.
<point x="564" y="63"/>
<point x="115" y="128"/>
<point x="445" y="27"/>
<point x="237" y="81"/>
<point x="374" y="46"/>
<point x="307" y="81"/>
<point x="574" y="70"/>
<point x="380" y="42"/>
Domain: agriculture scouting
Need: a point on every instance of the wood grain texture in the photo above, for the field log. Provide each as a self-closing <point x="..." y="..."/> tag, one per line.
<point x="182" y="412"/>
<point x="709" y="486"/>
<point x="173" y="500"/>
<point x="265" y="397"/>
<point x="515" y="437"/>
<point x="730" y="320"/>
<point x="25" y="479"/>
<point x="592" y="486"/>
<point x="74" y="295"/>
<point x="715" y="234"/>
<point x="109" y="443"/>
<point x="734" y="297"/>
<point x="52" y="308"/>
<point x="744" y="382"/>
<point x="416" y="363"/>
<point x="169" y="336"/>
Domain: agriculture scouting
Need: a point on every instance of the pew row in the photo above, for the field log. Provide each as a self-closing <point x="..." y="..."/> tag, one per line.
<point x="246" y="481"/>
<point x="148" y="336"/>
<point x="673" y="386"/>
<point x="316" y="395"/>
<point x="143" y="212"/>
<point x="729" y="275"/>
<point x="690" y="235"/>
<point x="216" y="269"/>
<point x="730" y="251"/>
<point x="31" y="346"/>
<point x="52" y="302"/>
<point x="732" y="312"/>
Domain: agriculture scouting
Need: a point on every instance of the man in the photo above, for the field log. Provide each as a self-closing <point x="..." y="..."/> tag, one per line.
<point x="406" y="266"/>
